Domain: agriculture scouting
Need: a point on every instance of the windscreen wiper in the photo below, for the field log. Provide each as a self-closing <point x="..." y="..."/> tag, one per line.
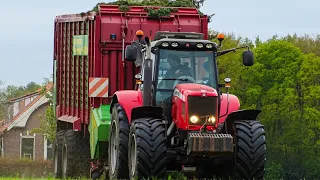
<point x="177" y="79"/>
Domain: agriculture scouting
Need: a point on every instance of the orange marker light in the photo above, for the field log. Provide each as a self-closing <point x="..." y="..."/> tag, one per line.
<point x="139" y="34"/>
<point x="138" y="81"/>
<point x="220" y="36"/>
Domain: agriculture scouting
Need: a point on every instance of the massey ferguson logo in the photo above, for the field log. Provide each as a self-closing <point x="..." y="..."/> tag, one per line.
<point x="178" y="94"/>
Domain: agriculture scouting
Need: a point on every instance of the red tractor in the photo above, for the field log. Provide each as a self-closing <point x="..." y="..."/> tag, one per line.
<point x="178" y="116"/>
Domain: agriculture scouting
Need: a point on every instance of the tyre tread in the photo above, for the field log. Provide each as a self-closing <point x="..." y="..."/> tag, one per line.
<point x="151" y="155"/>
<point x="251" y="150"/>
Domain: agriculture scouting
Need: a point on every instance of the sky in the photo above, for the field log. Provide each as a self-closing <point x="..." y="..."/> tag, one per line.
<point x="26" y="28"/>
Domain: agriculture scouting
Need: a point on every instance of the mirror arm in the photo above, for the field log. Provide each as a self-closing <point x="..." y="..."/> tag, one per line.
<point x="220" y="53"/>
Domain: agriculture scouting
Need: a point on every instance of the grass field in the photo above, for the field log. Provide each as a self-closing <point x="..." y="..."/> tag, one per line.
<point x="20" y="169"/>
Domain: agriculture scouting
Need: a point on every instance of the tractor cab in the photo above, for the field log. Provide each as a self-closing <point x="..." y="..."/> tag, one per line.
<point x="183" y="66"/>
<point x="178" y="69"/>
<point x="176" y="58"/>
<point x="191" y="63"/>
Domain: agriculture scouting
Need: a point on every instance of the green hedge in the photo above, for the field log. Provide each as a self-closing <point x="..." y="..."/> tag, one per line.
<point x="23" y="168"/>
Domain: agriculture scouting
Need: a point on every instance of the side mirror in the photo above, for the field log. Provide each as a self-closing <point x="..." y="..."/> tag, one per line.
<point x="131" y="53"/>
<point x="247" y="58"/>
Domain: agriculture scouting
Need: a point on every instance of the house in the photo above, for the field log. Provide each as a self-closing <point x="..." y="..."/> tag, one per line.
<point x="16" y="140"/>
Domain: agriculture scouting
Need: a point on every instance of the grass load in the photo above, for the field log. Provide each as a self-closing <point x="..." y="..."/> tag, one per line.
<point x="169" y="6"/>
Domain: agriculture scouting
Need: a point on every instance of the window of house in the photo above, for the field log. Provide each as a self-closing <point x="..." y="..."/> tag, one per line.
<point x="15" y="108"/>
<point x="27" y="101"/>
<point x="27" y="147"/>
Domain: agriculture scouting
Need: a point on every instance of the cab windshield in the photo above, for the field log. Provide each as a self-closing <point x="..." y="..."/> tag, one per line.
<point x="176" y="67"/>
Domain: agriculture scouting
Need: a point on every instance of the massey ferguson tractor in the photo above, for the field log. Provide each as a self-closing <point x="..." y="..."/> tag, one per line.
<point x="130" y="107"/>
<point x="179" y="117"/>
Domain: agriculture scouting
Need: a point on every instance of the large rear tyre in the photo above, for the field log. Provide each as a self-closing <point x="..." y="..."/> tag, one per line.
<point x="73" y="154"/>
<point x="147" y="149"/>
<point x="118" y="144"/>
<point x="250" y="150"/>
<point x="57" y="154"/>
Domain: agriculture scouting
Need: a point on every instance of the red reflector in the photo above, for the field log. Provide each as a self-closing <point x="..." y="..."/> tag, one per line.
<point x="187" y="44"/>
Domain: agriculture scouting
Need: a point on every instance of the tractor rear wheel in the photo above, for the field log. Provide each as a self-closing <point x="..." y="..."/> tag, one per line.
<point x="250" y="152"/>
<point x="147" y="149"/>
<point x="57" y="154"/>
<point x="74" y="154"/>
<point x="118" y="144"/>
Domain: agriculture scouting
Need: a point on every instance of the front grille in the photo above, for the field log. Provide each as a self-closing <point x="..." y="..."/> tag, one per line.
<point x="202" y="106"/>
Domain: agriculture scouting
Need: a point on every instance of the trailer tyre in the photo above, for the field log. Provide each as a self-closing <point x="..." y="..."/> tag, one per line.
<point x="57" y="154"/>
<point x="118" y="144"/>
<point x="250" y="150"/>
<point x="147" y="149"/>
<point x="71" y="154"/>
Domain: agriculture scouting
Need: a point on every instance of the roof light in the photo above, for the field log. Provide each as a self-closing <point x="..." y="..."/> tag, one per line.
<point x="165" y="44"/>
<point x="209" y="46"/>
<point x="200" y="45"/>
<point x="174" y="44"/>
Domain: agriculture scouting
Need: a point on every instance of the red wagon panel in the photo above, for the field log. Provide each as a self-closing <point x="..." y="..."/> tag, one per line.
<point x="92" y="44"/>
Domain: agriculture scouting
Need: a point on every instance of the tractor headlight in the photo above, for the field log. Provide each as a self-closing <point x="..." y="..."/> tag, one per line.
<point x="194" y="119"/>
<point x="212" y="119"/>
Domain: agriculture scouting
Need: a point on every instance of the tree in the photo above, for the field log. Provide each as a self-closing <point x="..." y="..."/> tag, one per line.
<point x="48" y="120"/>
<point x="3" y="99"/>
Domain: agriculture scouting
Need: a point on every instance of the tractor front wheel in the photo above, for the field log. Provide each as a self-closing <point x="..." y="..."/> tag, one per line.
<point x="250" y="152"/>
<point x="118" y="144"/>
<point x="147" y="149"/>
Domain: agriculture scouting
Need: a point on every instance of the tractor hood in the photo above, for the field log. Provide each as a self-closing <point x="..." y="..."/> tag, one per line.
<point x="187" y="89"/>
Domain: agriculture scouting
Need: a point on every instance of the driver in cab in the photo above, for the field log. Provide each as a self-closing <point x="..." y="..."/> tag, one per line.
<point x="176" y="70"/>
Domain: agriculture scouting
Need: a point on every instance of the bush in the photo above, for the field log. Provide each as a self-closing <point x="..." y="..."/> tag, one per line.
<point x="24" y="168"/>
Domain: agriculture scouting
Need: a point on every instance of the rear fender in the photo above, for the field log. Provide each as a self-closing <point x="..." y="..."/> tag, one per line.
<point x="240" y="115"/>
<point x="128" y="99"/>
<point x="146" y="112"/>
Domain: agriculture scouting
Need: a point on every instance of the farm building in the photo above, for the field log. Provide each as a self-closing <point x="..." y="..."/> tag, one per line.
<point x="24" y="114"/>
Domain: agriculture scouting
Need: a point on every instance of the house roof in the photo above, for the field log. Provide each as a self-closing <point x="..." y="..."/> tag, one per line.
<point x="22" y="117"/>
<point x="48" y="87"/>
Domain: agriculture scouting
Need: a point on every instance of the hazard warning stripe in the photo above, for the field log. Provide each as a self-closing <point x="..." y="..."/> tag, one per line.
<point x="98" y="87"/>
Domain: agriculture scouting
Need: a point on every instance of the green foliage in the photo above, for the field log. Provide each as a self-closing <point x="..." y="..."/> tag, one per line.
<point x="3" y="99"/>
<point x="47" y="121"/>
<point x="16" y="91"/>
<point x="23" y="168"/>
<point x="10" y="92"/>
<point x="284" y="84"/>
<point x="177" y="176"/>
<point x="124" y="6"/>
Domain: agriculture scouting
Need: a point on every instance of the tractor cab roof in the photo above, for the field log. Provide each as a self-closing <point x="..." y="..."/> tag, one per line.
<point x="186" y="44"/>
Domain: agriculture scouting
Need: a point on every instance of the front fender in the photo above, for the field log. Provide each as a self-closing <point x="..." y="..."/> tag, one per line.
<point x="234" y="105"/>
<point x="240" y="115"/>
<point x="128" y="99"/>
